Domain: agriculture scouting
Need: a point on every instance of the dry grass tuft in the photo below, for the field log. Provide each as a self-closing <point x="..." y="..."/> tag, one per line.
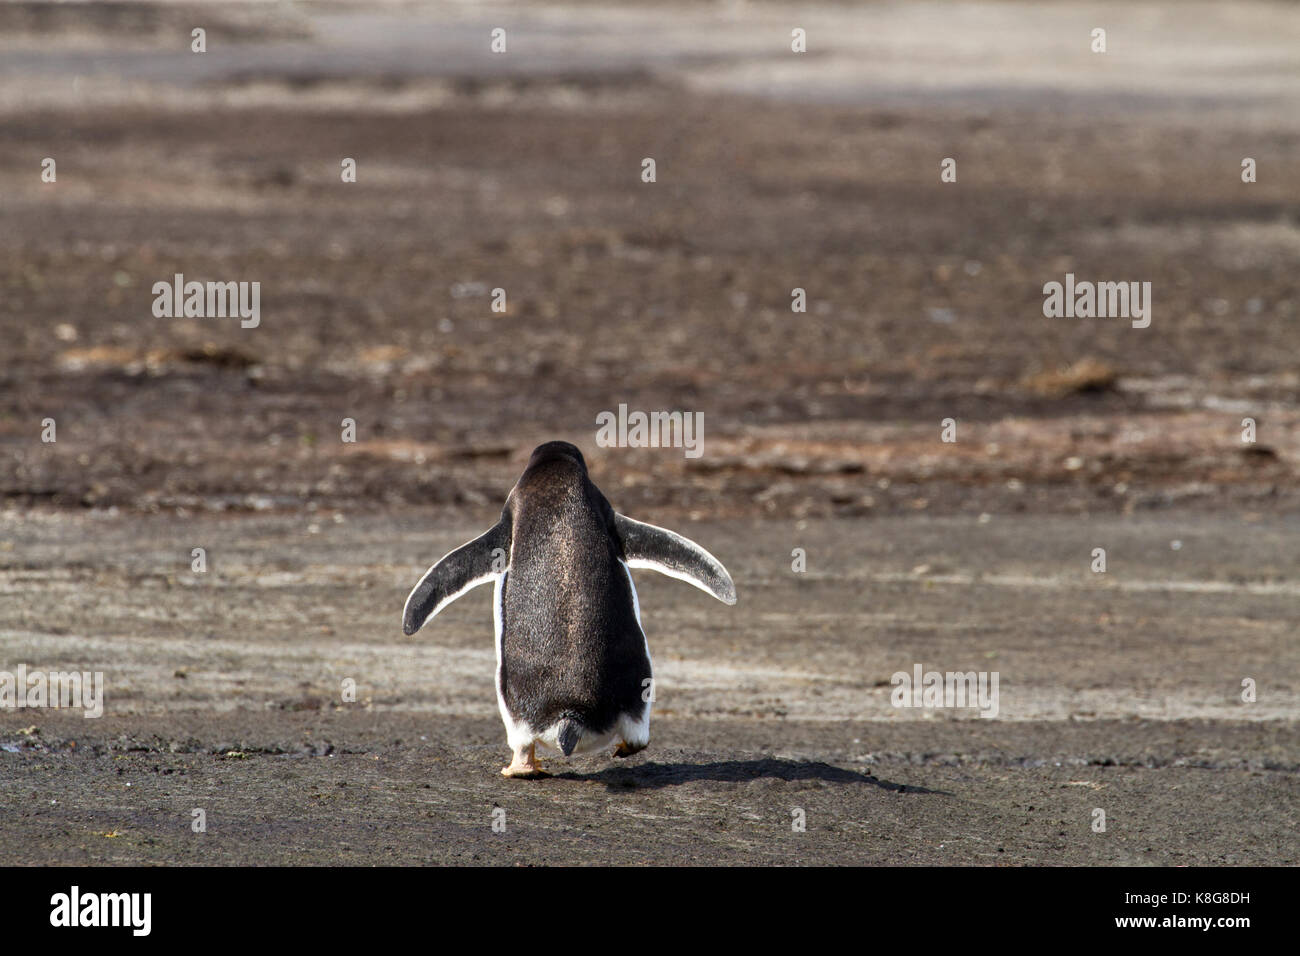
<point x="1086" y="377"/>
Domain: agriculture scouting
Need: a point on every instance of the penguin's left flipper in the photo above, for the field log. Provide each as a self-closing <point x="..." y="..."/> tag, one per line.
<point x="470" y="565"/>
<point x="648" y="546"/>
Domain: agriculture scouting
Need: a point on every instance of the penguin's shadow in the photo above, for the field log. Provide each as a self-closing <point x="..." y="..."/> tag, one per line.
<point x="653" y="776"/>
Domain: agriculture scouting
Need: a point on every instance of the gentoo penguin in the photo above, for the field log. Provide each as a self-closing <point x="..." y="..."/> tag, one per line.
<point x="573" y="666"/>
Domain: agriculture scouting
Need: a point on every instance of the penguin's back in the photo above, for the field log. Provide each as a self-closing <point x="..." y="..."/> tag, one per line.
<point x="571" y="642"/>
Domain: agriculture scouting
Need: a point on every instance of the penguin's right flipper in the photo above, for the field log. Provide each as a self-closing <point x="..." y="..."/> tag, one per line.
<point x="648" y="546"/>
<point x="478" y="562"/>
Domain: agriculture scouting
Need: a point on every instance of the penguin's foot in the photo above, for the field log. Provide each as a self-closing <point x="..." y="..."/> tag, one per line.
<point x="625" y="749"/>
<point x="525" y="765"/>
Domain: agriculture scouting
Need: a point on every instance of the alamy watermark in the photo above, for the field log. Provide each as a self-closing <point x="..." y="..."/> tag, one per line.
<point x="55" y="689"/>
<point x="636" y="429"/>
<point x="951" y="689"/>
<point x="1101" y="300"/>
<point x="75" y="908"/>
<point x="208" y="300"/>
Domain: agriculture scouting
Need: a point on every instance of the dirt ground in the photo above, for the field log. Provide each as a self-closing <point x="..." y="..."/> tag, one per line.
<point x="775" y="171"/>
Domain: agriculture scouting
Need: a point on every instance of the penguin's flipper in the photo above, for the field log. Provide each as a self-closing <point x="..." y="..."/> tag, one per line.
<point x="470" y="565"/>
<point x="647" y="546"/>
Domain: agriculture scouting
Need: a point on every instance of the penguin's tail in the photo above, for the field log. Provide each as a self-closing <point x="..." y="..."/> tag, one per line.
<point x="568" y="734"/>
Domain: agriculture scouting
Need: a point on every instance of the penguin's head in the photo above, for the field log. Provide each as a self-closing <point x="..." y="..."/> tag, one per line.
<point x="556" y="449"/>
<point x="556" y="474"/>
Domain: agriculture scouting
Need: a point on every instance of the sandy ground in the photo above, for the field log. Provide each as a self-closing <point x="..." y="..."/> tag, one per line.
<point x="1119" y="691"/>
<point x="224" y="693"/>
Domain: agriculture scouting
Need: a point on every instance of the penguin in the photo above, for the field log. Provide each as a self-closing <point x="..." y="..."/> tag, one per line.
<point x="573" y="666"/>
